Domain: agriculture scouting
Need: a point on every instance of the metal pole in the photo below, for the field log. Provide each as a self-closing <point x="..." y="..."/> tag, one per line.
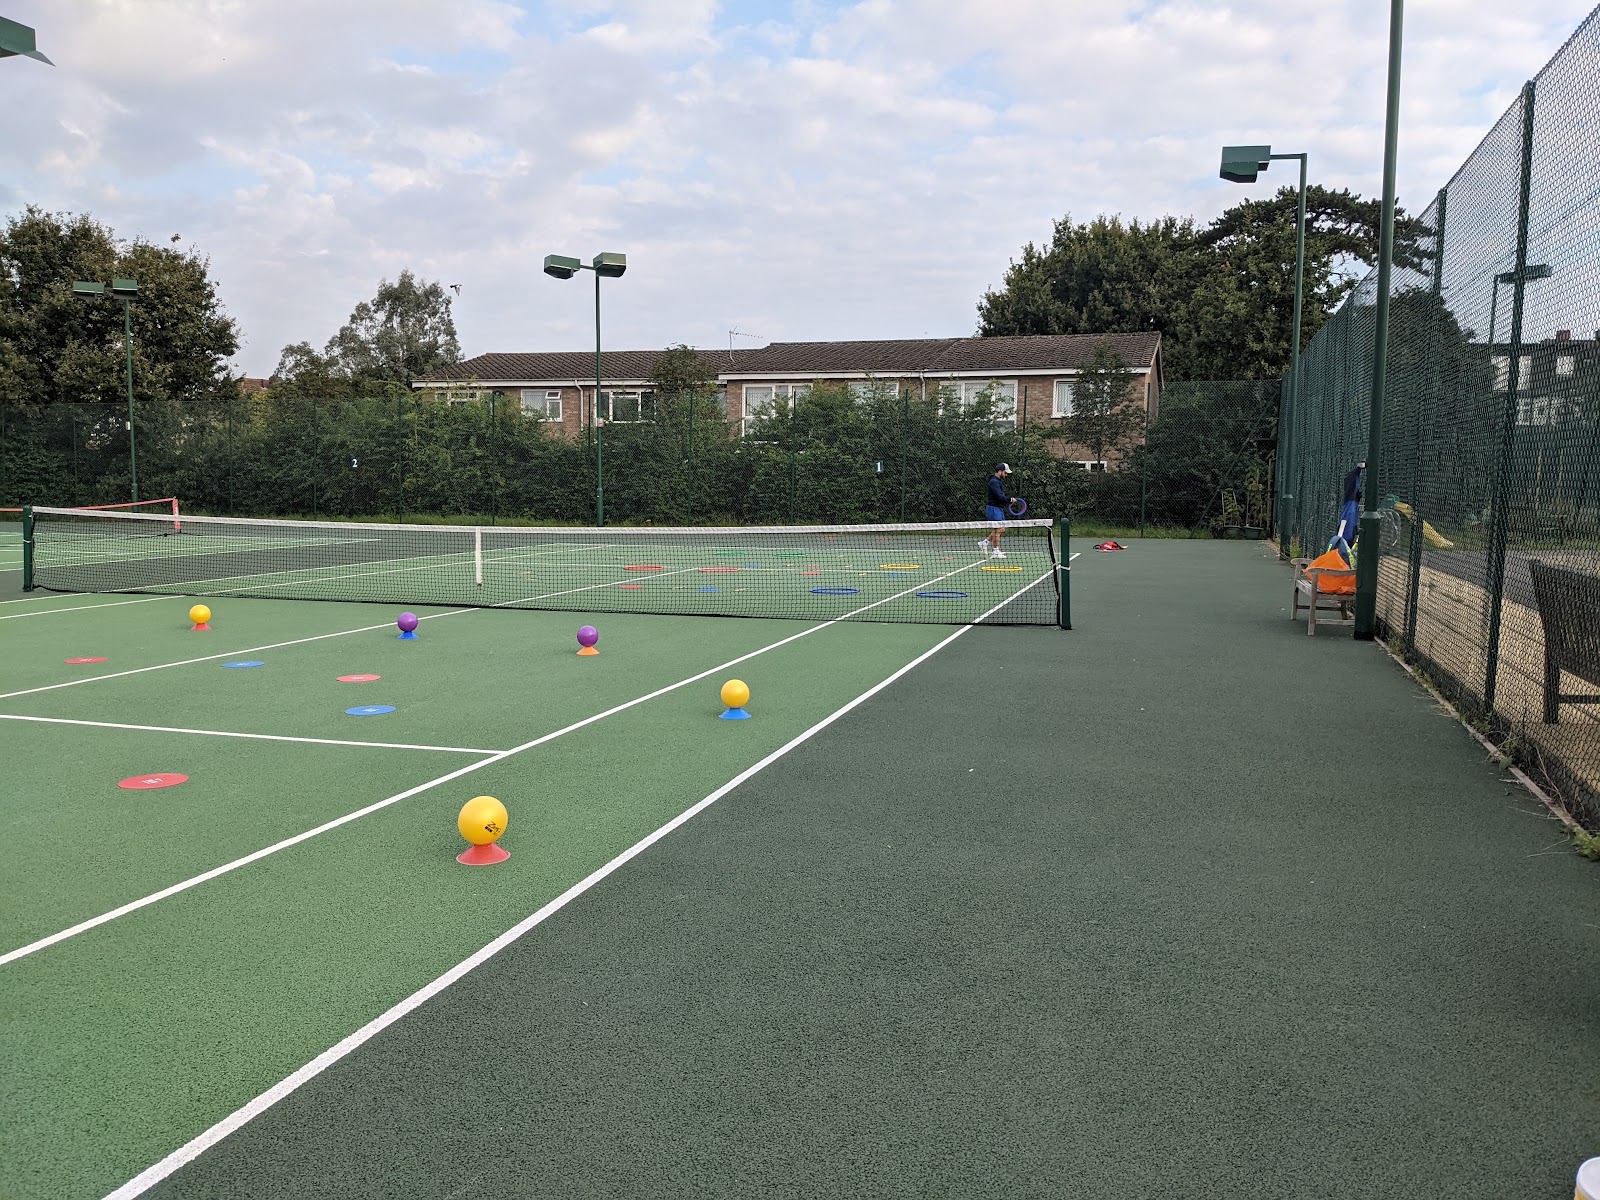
<point x="694" y="395"/>
<point x="905" y="425"/>
<point x="1494" y="301"/>
<point x="1286" y="420"/>
<point x="127" y="354"/>
<point x="1367" y="561"/>
<point x="1499" y="522"/>
<point x="1064" y="573"/>
<point x="1434" y="355"/>
<point x="599" y="459"/>
<point x="27" y="548"/>
<point x="794" y="451"/>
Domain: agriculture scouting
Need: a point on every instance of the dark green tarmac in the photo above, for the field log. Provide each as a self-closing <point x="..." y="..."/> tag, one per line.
<point x="1182" y="903"/>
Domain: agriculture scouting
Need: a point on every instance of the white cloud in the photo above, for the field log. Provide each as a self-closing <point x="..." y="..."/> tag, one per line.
<point x="797" y="171"/>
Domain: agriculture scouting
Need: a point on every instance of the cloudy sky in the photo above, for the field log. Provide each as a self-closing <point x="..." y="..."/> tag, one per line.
<point x="794" y="170"/>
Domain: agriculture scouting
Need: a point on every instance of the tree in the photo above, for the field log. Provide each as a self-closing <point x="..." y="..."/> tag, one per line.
<point x="1222" y="297"/>
<point x="1106" y="414"/>
<point x="55" y="348"/>
<point x="406" y="330"/>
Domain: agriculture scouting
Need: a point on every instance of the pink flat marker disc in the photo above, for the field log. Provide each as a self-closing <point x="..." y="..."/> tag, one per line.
<point x="359" y="678"/>
<point x="75" y="661"/>
<point x="630" y="587"/>
<point x="149" y="783"/>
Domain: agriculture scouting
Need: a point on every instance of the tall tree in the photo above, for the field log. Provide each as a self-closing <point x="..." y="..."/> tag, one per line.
<point x="1222" y="296"/>
<point x="1106" y="415"/>
<point x="406" y="330"/>
<point x="55" y="348"/>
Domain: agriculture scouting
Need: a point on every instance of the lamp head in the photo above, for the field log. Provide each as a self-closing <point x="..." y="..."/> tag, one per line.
<point x="560" y="266"/>
<point x="1241" y="164"/>
<point x="88" y="291"/>
<point x="610" y="265"/>
<point x="19" y="39"/>
<point x="127" y="289"/>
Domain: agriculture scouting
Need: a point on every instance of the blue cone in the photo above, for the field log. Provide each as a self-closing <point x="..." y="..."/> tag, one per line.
<point x="735" y="714"/>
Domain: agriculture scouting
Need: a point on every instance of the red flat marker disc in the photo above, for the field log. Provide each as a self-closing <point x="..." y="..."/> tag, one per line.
<point x="717" y="570"/>
<point x="75" y="661"/>
<point x="630" y="586"/>
<point x="644" y="567"/>
<point x="359" y="678"/>
<point x="149" y="783"/>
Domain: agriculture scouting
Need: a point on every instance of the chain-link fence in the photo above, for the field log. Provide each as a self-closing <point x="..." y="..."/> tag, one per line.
<point x="832" y="458"/>
<point x="1490" y="547"/>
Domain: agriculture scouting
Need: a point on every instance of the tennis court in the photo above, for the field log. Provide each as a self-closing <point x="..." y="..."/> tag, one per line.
<point x="1178" y="902"/>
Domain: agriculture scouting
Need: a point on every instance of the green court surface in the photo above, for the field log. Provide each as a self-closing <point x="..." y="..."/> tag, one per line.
<point x="1180" y="902"/>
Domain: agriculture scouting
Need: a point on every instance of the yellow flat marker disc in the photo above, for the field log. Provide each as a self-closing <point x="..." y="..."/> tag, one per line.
<point x="899" y="567"/>
<point x="999" y="568"/>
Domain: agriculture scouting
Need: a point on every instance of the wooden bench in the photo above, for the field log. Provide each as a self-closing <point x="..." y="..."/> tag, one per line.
<point x="1307" y="583"/>
<point x="1569" y="609"/>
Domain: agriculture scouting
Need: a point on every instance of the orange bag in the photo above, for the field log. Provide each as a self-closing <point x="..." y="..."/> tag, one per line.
<point x="1343" y="585"/>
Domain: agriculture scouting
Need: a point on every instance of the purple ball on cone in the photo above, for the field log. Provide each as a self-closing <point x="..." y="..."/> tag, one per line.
<point x="588" y="636"/>
<point x="407" y="622"/>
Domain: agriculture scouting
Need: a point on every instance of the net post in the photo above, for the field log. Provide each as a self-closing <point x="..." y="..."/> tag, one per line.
<point x="177" y="525"/>
<point x="27" y="548"/>
<point x="1064" y="570"/>
<point x="477" y="556"/>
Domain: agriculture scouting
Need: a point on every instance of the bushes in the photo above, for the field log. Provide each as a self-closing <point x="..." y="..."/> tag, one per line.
<point x="833" y="460"/>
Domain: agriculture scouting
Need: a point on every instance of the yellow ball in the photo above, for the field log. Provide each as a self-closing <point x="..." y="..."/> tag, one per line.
<point x="482" y="820"/>
<point x="735" y="693"/>
<point x="199" y="614"/>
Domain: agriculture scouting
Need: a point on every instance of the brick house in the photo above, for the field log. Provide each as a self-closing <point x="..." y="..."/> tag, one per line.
<point x="1032" y="376"/>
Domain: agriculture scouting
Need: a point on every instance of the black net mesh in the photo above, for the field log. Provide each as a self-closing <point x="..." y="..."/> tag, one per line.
<point x="932" y="574"/>
<point x="1489" y="572"/>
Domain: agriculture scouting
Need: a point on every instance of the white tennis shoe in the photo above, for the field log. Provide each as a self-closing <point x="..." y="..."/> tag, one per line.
<point x="983" y="547"/>
<point x="999" y="553"/>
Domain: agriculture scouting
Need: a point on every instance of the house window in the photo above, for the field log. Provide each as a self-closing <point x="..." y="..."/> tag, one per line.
<point x="1001" y="393"/>
<point x="1566" y="364"/>
<point x="865" y="390"/>
<point x="1061" y="406"/>
<point x="463" y="397"/>
<point x="540" y="403"/>
<point x="627" y="407"/>
<point x="1502" y="372"/>
<point x="1524" y="370"/>
<point x="762" y="400"/>
<point x="1090" y="464"/>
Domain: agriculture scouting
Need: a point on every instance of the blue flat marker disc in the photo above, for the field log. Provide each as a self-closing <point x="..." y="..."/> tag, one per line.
<point x="710" y="589"/>
<point x="369" y="710"/>
<point x="835" y="591"/>
<point x="941" y="595"/>
<point x="249" y="662"/>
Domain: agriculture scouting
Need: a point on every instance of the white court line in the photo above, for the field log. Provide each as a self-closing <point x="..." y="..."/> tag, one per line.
<point x="50" y="687"/>
<point x="50" y="612"/>
<point x="497" y="756"/>
<point x="264" y="737"/>
<point x="242" y="1116"/>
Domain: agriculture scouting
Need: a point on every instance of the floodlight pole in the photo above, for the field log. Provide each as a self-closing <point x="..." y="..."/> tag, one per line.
<point x="1240" y="164"/>
<point x="561" y="267"/>
<point x="124" y="290"/>
<point x="1370" y="528"/>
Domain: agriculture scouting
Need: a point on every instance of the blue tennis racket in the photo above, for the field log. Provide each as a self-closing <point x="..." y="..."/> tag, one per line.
<point x="1017" y="507"/>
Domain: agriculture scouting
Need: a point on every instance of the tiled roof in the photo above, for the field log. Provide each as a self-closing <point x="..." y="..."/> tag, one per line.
<point x="1040" y="352"/>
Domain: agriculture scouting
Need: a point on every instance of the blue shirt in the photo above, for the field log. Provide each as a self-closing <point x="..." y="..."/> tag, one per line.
<point x="997" y="492"/>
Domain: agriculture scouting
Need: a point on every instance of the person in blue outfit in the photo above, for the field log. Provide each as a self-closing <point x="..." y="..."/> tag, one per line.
<point x="994" y="511"/>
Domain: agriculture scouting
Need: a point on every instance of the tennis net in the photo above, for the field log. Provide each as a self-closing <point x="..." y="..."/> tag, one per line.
<point x="935" y="574"/>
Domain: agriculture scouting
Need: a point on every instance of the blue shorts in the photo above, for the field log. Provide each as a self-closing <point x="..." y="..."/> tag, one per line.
<point x="991" y="513"/>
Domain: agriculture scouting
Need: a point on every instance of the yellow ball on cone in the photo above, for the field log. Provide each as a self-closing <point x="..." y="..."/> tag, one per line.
<point x="481" y="821"/>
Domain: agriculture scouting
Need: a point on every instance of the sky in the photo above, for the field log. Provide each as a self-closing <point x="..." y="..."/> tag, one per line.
<point x="774" y="171"/>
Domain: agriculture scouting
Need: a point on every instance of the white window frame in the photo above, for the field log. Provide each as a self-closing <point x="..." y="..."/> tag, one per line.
<point x="1064" y="397"/>
<point x="642" y="398"/>
<point x="768" y="407"/>
<point x="1502" y="371"/>
<point x="967" y="391"/>
<point x="543" y="402"/>
<point x="1566" y="365"/>
<point x="1091" y="464"/>
<point x="471" y="397"/>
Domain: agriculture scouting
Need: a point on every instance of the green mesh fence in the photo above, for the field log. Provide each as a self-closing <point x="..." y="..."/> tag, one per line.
<point x="1490" y="545"/>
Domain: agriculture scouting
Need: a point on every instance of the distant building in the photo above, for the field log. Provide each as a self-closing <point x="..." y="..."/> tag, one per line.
<point x="1548" y="375"/>
<point x="249" y="386"/>
<point x="1033" y="376"/>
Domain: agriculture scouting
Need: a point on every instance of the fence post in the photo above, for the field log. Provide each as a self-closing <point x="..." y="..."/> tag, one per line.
<point x="1064" y="573"/>
<point x="688" y="507"/>
<point x="1428" y="396"/>
<point x="905" y="423"/>
<point x="494" y="461"/>
<point x="794" y="453"/>
<point x="1499" y="524"/>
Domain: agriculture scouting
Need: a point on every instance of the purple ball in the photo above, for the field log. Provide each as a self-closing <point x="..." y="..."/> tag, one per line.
<point x="407" y="622"/>
<point x="588" y="635"/>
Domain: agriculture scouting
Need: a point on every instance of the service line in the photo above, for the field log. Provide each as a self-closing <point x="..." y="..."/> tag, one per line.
<point x="262" y="737"/>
